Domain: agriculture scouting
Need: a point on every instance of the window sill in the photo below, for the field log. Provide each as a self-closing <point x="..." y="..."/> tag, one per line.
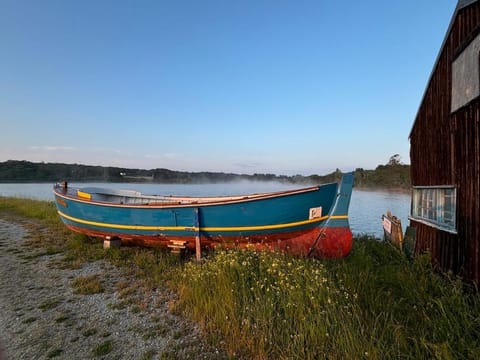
<point x="431" y="224"/>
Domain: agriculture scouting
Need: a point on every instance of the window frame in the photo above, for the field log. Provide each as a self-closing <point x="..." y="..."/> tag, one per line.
<point x="465" y="75"/>
<point x="435" y="206"/>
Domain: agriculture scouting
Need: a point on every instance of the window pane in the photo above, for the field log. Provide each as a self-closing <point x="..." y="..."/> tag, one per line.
<point x="450" y="204"/>
<point x="435" y="205"/>
<point x="432" y="209"/>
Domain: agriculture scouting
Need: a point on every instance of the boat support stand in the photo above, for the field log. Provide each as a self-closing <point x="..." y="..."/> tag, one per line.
<point x="111" y="242"/>
<point x="179" y="246"/>
<point x="198" y="249"/>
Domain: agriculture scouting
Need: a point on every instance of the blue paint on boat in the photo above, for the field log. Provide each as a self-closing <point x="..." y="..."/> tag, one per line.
<point x="129" y="214"/>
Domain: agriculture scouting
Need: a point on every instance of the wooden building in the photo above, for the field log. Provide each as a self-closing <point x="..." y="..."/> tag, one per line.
<point x="445" y="151"/>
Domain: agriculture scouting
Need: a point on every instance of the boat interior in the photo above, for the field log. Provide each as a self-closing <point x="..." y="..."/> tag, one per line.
<point x="131" y="197"/>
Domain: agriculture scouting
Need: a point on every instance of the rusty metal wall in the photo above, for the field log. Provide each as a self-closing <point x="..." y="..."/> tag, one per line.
<point x="444" y="150"/>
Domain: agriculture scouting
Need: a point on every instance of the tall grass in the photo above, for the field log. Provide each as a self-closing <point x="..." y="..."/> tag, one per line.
<point x="372" y="304"/>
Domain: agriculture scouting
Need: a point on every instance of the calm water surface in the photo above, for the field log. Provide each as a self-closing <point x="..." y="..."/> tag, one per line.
<point x="366" y="207"/>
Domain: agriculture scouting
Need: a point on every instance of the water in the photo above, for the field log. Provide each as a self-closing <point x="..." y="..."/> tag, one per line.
<point x="366" y="207"/>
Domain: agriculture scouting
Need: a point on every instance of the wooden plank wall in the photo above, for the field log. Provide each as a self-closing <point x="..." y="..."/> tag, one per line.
<point x="467" y="173"/>
<point x="444" y="150"/>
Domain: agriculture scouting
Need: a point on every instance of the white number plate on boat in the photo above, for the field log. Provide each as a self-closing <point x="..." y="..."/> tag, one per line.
<point x="315" y="213"/>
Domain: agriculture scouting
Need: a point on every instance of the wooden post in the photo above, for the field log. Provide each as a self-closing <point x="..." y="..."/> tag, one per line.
<point x="198" y="249"/>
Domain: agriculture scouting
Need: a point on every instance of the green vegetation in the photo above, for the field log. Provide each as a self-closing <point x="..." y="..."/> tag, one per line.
<point x="49" y="304"/>
<point x="61" y="318"/>
<point x="87" y="285"/>
<point x="89" y="332"/>
<point x="102" y="349"/>
<point x="392" y="175"/>
<point x="25" y="171"/>
<point x="30" y="320"/>
<point x="54" y="353"/>
<point x="373" y="304"/>
<point x="149" y="354"/>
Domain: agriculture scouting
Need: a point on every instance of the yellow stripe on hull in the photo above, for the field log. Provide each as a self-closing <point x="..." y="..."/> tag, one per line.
<point x="193" y="228"/>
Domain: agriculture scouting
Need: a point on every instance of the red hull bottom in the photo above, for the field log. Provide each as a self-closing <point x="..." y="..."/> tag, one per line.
<point x="331" y="242"/>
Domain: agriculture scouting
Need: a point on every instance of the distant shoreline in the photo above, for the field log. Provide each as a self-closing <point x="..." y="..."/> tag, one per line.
<point x="360" y="188"/>
<point x="392" y="177"/>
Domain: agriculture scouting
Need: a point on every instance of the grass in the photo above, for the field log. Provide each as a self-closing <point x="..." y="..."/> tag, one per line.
<point x="102" y="349"/>
<point x="54" y="353"/>
<point x="89" y="332"/>
<point x="87" y="285"/>
<point x="49" y="304"/>
<point x="372" y="304"/>
<point x="147" y="355"/>
<point x="30" y="320"/>
<point x="61" y="318"/>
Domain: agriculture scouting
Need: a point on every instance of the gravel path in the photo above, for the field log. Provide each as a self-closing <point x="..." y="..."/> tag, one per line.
<point x="41" y="317"/>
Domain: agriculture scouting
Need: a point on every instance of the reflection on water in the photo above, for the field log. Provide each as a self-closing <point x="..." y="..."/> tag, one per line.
<point x="366" y="207"/>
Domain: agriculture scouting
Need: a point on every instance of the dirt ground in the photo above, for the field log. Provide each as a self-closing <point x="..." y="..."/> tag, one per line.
<point x="41" y="317"/>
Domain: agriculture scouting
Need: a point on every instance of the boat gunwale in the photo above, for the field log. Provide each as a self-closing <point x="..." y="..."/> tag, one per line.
<point x="153" y="205"/>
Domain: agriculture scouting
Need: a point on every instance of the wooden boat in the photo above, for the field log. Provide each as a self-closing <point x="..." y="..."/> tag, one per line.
<point x="308" y="221"/>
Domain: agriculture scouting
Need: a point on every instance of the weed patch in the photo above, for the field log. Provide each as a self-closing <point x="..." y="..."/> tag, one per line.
<point x="61" y="318"/>
<point x="102" y="349"/>
<point x="89" y="332"/>
<point x="147" y="355"/>
<point x="49" y="304"/>
<point x="30" y="320"/>
<point x="54" y="353"/>
<point x="87" y="285"/>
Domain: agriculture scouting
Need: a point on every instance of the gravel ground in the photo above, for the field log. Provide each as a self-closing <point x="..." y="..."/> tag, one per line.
<point x="42" y="318"/>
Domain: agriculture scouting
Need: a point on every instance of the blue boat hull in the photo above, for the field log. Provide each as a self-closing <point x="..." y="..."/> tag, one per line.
<point x="310" y="221"/>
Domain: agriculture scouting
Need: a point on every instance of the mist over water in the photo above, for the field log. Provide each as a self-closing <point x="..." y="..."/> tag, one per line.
<point x="366" y="207"/>
<point x="43" y="191"/>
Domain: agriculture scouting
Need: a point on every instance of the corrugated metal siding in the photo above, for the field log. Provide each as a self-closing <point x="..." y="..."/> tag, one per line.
<point x="445" y="151"/>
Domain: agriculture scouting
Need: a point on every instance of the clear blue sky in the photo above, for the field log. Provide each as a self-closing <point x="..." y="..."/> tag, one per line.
<point x="277" y="86"/>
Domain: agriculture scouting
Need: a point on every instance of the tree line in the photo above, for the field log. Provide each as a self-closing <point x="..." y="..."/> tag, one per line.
<point x="391" y="175"/>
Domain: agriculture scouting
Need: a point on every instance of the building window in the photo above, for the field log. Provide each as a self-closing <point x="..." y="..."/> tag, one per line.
<point x="435" y="206"/>
<point x="466" y="76"/>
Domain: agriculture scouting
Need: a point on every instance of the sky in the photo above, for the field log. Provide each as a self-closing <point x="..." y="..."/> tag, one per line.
<point x="282" y="87"/>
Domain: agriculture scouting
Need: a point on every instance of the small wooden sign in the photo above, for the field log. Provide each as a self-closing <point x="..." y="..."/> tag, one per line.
<point x="387" y="225"/>
<point x="392" y="227"/>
